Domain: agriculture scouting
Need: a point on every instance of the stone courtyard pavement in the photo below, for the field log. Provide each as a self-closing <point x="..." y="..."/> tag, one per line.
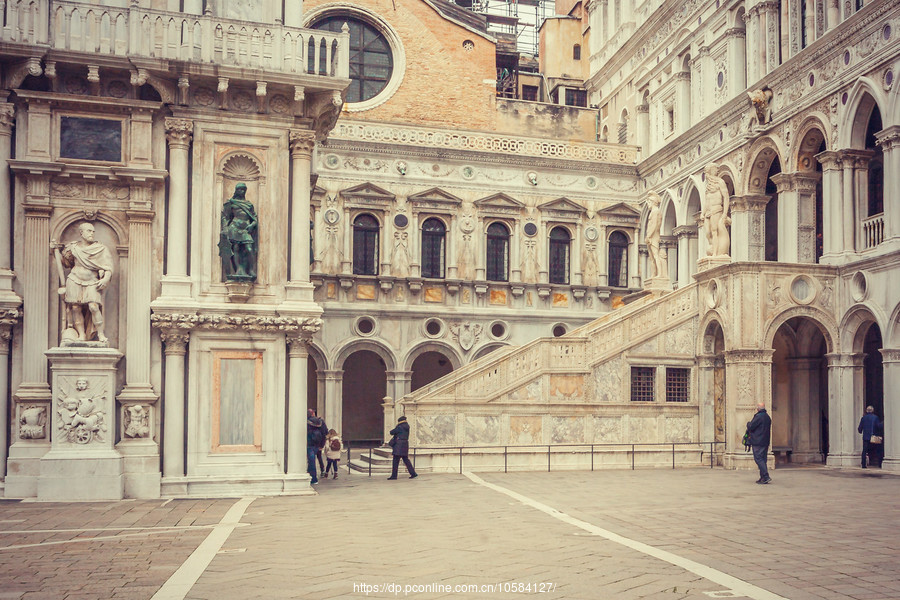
<point x="682" y="534"/>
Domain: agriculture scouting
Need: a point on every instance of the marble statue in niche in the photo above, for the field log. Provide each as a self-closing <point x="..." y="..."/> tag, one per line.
<point x="32" y="420"/>
<point x="530" y="265"/>
<point x="239" y="237"/>
<point x="332" y="252"/>
<point x="466" y="256"/>
<point x="654" y="227"/>
<point x="590" y="266"/>
<point x="80" y="417"/>
<point x="400" y="256"/>
<point x="715" y="212"/>
<point x="91" y="269"/>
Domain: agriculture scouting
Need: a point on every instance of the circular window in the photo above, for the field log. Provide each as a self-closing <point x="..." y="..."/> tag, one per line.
<point x="720" y="79"/>
<point x="433" y="327"/>
<point x="859" y="286"/>
<point x="401" y="221"/>
<point x="802" y="290"/>
<point x="468" y="45"/>
<point x="498" y="330"/>
<point x="559" y="330"/>
<point x="365" y="326"/>
<point x="530" y="229"/>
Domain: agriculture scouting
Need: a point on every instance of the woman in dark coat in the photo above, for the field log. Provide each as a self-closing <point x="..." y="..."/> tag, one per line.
<point x="400" y="443"/>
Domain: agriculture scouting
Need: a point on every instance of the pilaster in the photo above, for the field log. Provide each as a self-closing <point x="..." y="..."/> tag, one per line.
<point x="298" y="353"/>
<point x="748" y="379"/>
<point x="175" y="343"/>
<point x="748" y="227"/>
<point x="175" y="283"/>
<point x="845" y="393"/>
<point x="302" y="144"/>
<point x="890" y="360"/>
<point x="889" y="140"/>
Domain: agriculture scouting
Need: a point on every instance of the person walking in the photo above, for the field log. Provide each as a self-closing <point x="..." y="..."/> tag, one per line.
<point x="400" y="444"/>
<point x="317" y="422"/>
<point x="333" y="449"/>
<point x="312" y="443"/>
<point x="760" y="429"/>
<point x="867" y="426"/>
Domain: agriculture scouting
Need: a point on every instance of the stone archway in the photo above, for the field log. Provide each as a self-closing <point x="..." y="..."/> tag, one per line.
<point x="711" y="363"/>
<point x="363" y="390"/>
<point x="428" y="367"/>
<point x="799" y="392"/>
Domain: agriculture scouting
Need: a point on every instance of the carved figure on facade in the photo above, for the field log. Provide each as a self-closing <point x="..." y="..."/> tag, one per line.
<point x="32" y="420"/>
<point x="530" y="266"/>
<point x="80" y="418"/>
<point x="466" y="334"/>
<point x="590" y="267"/>
<point x="466" y="255"/>
<point x="91" y="269"/>
<point x="654" y="228"/>
<point x="400" y="255"/>
<point x="239" y="237"/>
<point x="137" y="421"/>
<point x="716" y="208"/>
<point x="761" y="100"/>
<point x="332" y="250"/>
<point x="180" y="322"/>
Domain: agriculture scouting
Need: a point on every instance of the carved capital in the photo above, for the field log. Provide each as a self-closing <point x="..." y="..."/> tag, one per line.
<point x="851" y="361"/>
<point x="302" y="142"/>
<point x="298" y="345"/>
<point x="179" y="132"/>
<point x="175" y="340"/>
<point x="7" y="118"/>
<point x="749" y="203"/>
<point x="738" y="32"/>
<point x="888" y="138"/>
<point x="890" y="355"/>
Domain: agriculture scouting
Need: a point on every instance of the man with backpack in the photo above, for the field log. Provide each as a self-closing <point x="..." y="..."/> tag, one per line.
<point x="316" y="431"/>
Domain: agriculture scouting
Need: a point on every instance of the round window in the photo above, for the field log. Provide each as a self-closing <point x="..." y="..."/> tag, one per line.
<point x="433" y="327"/>
<point x="559" y="331"/>
<point x="498" y="330"/>
<point x="371" y="59"/>
<point x="365" y="325"/>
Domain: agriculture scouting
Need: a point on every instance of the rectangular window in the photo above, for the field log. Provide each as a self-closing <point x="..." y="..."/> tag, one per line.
<point x="670" y="119"/>
<point x="529" y="92"/>
<point x="678" y="385"/>
<point x="90" y="139"/>
<point x="576" y="97"/>
<point x="642" y="384"/>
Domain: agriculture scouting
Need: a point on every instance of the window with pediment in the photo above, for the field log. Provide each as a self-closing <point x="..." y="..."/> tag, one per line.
<point x="434" y="243"/>
<point x="365" y="245"/>
<point x="560" y="242"/>
<point x="497" y="252"/>
<point x="617" y="274"/>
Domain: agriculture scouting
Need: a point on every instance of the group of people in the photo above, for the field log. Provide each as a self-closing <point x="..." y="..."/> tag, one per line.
<point x="759" y="435"/>
<point x="320" y="439"/>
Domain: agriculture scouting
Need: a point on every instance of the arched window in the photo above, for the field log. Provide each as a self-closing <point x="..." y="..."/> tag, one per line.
<point x="365" y="245"/>
<point x="434" y="236"/>
<point x="771" y="241"/>
<point x="497" y="252"/>
<point x="876" y="165"/>
<point x="618" y="260"/>
<point x="371" y="60"/>
<point x="559" y="255"/>
<point x="576" y="52"/>
<point x="623" y="128"/>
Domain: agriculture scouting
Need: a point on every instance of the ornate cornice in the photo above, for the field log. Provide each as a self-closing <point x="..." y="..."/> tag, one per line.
<point x="189" y="321"/>
<point x="302" y="142"/>
<point x="179" y="132"/>
<point x="748" y="356"/>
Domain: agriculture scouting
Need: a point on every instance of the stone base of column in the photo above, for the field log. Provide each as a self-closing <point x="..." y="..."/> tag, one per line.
<point x="7" y="295"/>
<point x="140" y="461"/>
<point x="711" y="262"/>
<point x="73" y="476"/>
<point x="658" y="283"/>
<point x="23" y="469"/>
<point x="174" y="287"/>
<point x="890" y="463"/>
<point x="225" y="487"/>
<point x="299" y="292"/>
<point x="844" y="460"/>
<point x="743" y="461"/>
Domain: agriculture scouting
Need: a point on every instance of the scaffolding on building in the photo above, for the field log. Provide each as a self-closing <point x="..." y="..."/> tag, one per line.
<point x="518" y="18"/>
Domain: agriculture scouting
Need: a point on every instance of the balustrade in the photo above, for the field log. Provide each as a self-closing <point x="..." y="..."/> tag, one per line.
<point x="873" y="231"/>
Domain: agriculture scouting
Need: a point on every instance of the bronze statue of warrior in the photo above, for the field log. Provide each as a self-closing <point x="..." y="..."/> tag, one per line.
<point x="239" y="237"/>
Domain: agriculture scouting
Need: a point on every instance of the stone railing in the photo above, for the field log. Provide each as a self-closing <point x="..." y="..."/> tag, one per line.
<point x="873" y="230"/>
<point x="145" y="33"/>
<point x="485" y="142"/>
<point x="577" y="351"/>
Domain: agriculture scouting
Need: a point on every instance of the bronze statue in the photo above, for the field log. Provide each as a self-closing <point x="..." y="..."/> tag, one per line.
<point x="239" y="237"/>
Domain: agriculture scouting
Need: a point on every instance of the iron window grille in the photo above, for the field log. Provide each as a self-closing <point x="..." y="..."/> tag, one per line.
<point x="678" y="384"/>
<point x="617" y="274"/>
<point x="642" y="384"/>
<point x="559" y="255"/>
<point x="365" y="245"/>
<point x="434" y="236"/>
<point x="497" y="252"/>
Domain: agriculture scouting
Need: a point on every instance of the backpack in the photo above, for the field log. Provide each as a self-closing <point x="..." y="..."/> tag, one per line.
<point x="335" y="444"/>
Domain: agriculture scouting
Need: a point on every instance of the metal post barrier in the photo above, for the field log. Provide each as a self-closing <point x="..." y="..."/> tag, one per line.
<point x="673" y="456"/>
<point x="505" y="462"/>
<point x="349" y="457"/>
<point x="414" y="459"/>
<point x="460" y="460"/>
<point x="592" y="457"/>
<point x="548" y="459"/>
<point x="370" y="462"/>
<point x="632" y="457"/>
<point x="710" y="455"/>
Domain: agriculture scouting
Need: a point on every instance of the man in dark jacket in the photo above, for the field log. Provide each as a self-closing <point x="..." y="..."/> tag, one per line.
<point x="867" y="426"/>
<point x="400" y="443"/>
<point x="316" y="431"/>
<point x="760" y="428"/>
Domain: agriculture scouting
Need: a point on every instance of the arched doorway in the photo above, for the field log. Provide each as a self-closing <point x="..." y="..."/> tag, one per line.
<point x="428" y="367"/>
<point x="771" y="221"/>
<point x="712" y="389"/>
<point x="873" y="370"/>
<point x="312" y="384"/>
<point x="363" y="390"/>
<point x="799" y="393"/>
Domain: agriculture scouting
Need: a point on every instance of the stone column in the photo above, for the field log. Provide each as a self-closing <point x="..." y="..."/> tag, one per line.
<point x="796" y="213"/>
<point x="832" y="206"/>
<point x="737" y="60"/>
<point x="748" y="227"/>
<point x="683" y="235"/>
<point x="889" y="140"/>
<point x="575" y="246"/>
<point x="297" y="404"/>
<point x="347" y="262"/>
<point x="810" y="21"/>
<point x="772" y="36"/>
<point x="706" y="367"/>
<point x="8" y="318"/>
<point x="805" y="425"/>
<point x="849" y="214"/>
<point x="399" y="384"/>
<point x="634" y="267"/>
<point x="36" y="267"/>
<point x="845" y="393"/>
<point x="748" y="379"/>
<point x="451" y="248"/>
<point x="683" y="98"/>
<point x="603" y="257"/>
<point x="834" y="14"/>
<point x="176" y="282"/>
<point x="302" y="142"/>
<point x="751" y="18"/>
<point x="176" y="342"/>
<point x="7" y="122"/>
<point x="387" y="405"/>
<point x="334" y="399"/>
<point x="890" y="360"/>
<point x="137" y="306"/>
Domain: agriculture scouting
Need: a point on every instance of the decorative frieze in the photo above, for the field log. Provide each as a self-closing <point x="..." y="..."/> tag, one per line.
<point x="168" y="322"/>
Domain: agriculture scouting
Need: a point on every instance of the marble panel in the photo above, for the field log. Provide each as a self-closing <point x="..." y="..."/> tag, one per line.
<point x="466" y="296"/>
<point x="498" y="297"/>
<point x="560" y="300"/>
<point x="525" y="430"/>
<point x="365" y="291"/>
<point x="567" y="388"/>
<point x="237" y="400"/>
<point x="680" y="341"/>
<point x="436" y="430"/>
<point x="607" y="430"/>
<point x="651" y="346"/>
<point x="530" y="392"/>
<point x="90" y="139"/>
<point x="482" y="430"/>
<point x="679" y="429"/>
<point x="642" y="430"/>
<point x="608" y="381"/>
<point x="566" y="430"/>
<point x="331" y="291"/>
<point x="434" y="294"/>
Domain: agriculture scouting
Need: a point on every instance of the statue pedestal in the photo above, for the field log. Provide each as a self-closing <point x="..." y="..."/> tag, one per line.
<point x="711" y="262"/>
<point x="658" y="283"/>
<point x="239" y="291"/>
<point x="82" y="463"/>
